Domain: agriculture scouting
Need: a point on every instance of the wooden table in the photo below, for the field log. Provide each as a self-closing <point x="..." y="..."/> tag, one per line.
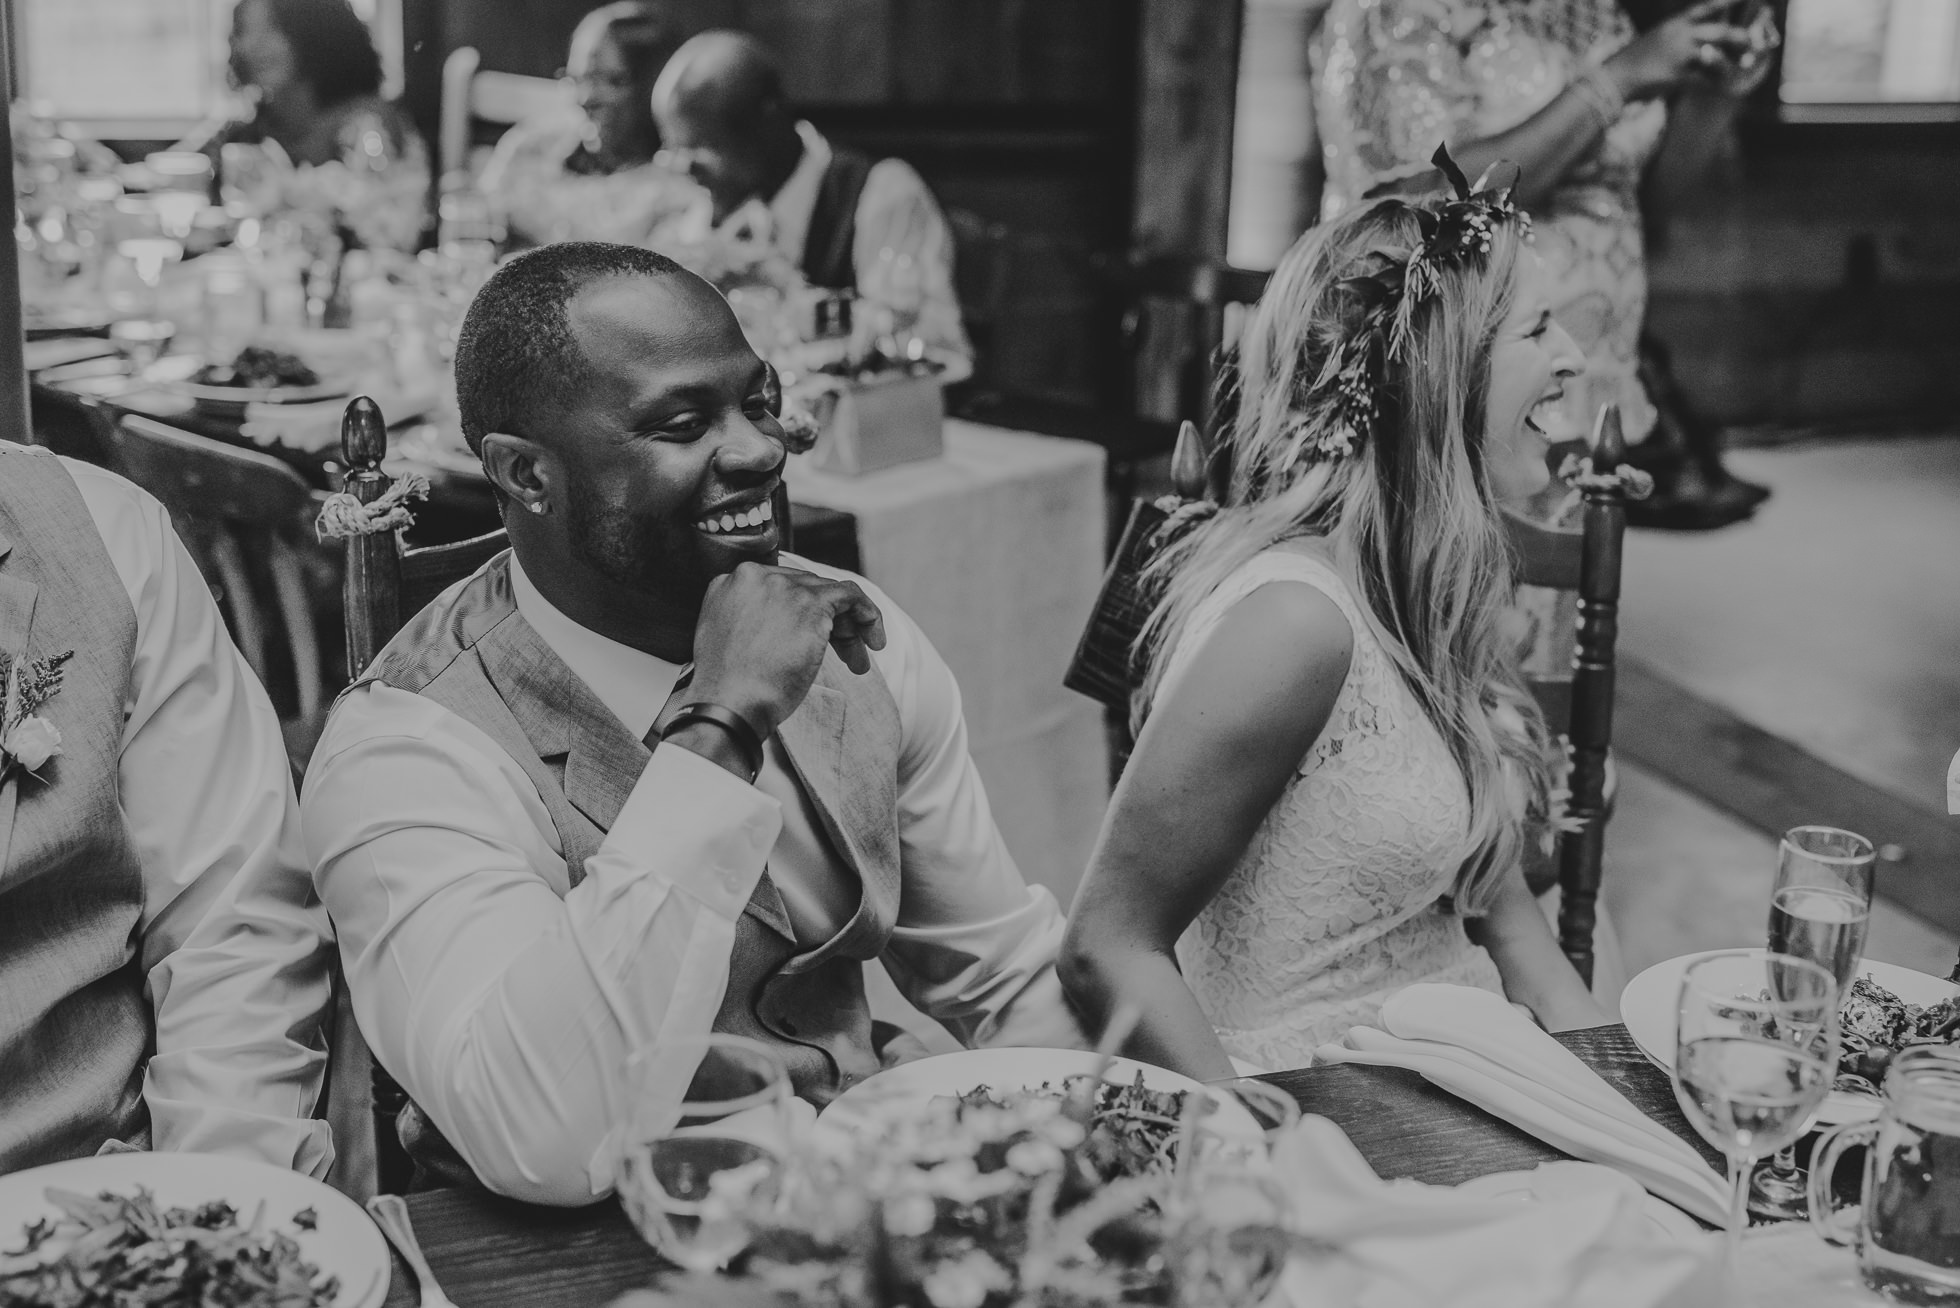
<point x="493" y="1253"/>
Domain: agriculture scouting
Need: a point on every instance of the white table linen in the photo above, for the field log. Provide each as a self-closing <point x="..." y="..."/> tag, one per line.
<point x="1403" y="1244"/>
<point x="996" y="551"/>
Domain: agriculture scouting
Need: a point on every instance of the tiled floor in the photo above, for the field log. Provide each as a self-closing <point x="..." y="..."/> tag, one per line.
<point x="1682" y="876"/>
<point x="1832" y="620"/>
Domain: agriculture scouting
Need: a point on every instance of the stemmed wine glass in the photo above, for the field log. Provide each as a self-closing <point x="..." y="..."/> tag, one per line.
<point x="707" y="1123"/>
<point x="1819" y="910"/>
<point x="1755" y="1052"/>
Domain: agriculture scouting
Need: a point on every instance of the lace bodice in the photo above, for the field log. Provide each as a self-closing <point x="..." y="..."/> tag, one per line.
<point x="1393" y="78"/>
<point x="1334" y="904"/>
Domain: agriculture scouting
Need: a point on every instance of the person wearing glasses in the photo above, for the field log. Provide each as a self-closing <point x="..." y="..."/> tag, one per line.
<point x="589" y="173"/>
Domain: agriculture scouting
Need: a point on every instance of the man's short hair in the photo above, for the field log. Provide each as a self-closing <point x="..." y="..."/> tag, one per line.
<point x="516" y="358"/>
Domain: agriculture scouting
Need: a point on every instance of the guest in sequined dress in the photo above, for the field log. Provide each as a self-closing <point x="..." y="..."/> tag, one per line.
<point x="1569" y="91"/>
<point x="586" y="172"/>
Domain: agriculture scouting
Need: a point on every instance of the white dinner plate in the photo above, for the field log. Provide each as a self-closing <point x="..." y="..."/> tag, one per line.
<point x="240" y="396"/>
<point x="1552" y="1182"/>
<point x="1648" y="1006"/>
<point x="904" y="1088"/>
<point x="343" y="1243"/>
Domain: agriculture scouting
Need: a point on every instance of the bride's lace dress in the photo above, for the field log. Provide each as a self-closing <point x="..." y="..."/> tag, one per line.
<point x="1334" y="904"/>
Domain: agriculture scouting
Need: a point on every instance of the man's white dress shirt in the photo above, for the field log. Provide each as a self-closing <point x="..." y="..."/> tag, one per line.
<point x="508" y="1010"/>
<point x="897" y="219"/>
<point x="235" y="947"/>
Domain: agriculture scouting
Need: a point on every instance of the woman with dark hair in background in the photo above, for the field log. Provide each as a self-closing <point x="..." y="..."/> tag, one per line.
<point x="587" y="173"/>
<point x="1584" y="103"/>
<point x="313" y="77"/>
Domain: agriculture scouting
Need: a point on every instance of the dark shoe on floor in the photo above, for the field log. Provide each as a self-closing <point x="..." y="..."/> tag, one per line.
<point x="1687" y="501"/>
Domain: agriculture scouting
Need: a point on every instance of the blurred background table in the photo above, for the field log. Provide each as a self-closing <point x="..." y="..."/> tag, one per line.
<point x="995" y="549"/>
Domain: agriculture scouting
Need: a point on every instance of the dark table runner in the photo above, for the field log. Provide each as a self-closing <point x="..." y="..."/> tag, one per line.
<point x="494" y="1253"/>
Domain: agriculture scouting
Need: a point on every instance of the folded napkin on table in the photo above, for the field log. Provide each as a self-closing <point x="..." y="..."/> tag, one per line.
<point x="313" y="427"/>
<point x="1579" y="1238"/>
<point x="1481" y="1049"/>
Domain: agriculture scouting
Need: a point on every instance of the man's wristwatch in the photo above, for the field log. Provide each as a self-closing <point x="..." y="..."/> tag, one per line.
<point x="739" y="729"/>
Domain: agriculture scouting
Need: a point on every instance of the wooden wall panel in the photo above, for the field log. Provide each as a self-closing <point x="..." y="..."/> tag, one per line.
<point x="833" y="52"/>
<point x="1184" y="127"/>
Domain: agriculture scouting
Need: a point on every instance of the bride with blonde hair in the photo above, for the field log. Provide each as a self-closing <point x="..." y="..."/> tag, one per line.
<point x="1338" y="764"/>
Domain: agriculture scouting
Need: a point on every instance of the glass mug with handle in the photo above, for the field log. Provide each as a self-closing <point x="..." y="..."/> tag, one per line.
<point x="707" y="1122"/>
<point x="1907" y="1228"/>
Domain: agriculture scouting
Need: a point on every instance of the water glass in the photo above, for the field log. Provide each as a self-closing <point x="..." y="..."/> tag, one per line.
<point x="1908" y="1244"/>
<point x="1819" y="910"/>
<point x="706" y="1125"/>
<point x="1756" y="1046"/>
<point x="141" y="341"/>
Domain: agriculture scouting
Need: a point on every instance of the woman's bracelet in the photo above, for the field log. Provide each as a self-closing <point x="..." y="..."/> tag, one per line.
<point x="1597" y="88"/>
<point x="739" y="729"/>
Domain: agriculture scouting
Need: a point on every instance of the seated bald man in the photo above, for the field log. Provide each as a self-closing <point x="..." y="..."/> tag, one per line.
<point x="845" y="220"/>
<point x="640" y="776"/>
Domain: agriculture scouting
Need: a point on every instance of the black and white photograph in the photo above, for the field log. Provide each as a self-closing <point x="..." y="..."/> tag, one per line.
<point x="980" y="654"/>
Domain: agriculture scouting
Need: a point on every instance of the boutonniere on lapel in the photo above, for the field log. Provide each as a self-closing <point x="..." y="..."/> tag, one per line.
<point x="27" y="740"/>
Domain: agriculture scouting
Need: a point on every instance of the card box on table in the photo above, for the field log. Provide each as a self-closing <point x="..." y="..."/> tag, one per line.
<point x="880" y="424"/>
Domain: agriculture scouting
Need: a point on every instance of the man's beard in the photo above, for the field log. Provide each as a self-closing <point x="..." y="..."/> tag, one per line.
<point x="662" y="558"/>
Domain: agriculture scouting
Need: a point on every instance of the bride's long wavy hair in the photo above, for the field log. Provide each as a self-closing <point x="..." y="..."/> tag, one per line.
<point x="1410" y="513"/>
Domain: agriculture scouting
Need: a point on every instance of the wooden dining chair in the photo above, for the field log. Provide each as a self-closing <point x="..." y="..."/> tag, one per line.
<point x="386" y="583"/>
<point x="228" y="502"/>
<point x="472" y="94"/>
<point x="1578" y="702"/>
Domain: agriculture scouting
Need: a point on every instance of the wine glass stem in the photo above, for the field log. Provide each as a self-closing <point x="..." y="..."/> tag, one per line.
<point x="1740" y="1167"/>
<point x="1784" y="1164"/>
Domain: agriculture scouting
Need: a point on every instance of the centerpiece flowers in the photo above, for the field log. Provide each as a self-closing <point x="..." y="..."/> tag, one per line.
<point x="1097" y="1194"/>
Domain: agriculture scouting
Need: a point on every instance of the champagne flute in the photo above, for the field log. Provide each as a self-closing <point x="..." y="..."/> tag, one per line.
<point x="1819" y="910"/>
<point x="706" y="1125"/>
<point x="1756" y="1046"/>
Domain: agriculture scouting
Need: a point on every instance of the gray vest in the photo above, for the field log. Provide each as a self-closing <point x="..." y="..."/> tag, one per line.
<point x="74" y="1026"/>
<point x="473" y="653"/>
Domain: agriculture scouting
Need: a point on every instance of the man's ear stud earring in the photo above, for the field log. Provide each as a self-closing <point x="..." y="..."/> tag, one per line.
<point x="536" y="506"/>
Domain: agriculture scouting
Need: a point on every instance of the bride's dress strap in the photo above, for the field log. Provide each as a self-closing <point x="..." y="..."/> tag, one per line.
<point x="1277" y="564"/>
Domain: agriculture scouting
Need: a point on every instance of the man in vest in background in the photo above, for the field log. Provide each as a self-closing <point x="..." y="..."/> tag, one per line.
<point x="163" y="962"/>
<point x="845" y="221"/>
<point x="638" y="777"/>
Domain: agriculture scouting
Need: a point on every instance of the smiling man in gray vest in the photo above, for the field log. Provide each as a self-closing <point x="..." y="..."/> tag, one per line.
<point x="845" y="221"/>
<point x="638" y="777"/>
<point x="163" y="963"/>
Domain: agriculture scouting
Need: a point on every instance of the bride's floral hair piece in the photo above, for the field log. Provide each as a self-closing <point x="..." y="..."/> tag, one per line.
<point x="1341" y="407"/>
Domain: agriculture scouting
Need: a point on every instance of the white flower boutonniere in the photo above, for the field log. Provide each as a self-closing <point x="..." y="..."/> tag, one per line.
<point x="28" y="741"/>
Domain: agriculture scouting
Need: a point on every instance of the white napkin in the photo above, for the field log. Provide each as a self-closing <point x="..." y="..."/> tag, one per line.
<point x="1580" y="1238"/>
<point x="1479" y="1048"/>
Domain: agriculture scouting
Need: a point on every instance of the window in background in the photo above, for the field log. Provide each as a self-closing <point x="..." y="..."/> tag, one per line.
<point x="138" y="61"/>
<point x="1872" y="52"/>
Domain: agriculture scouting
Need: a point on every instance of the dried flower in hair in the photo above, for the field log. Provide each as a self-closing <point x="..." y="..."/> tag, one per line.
<point x="1341" y="408"/>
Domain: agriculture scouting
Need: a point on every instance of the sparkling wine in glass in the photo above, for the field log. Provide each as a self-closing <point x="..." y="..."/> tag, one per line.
<point x="1819" y="909"/>
<point x="705" y="1128"/>
<point x="1755" y="1052"/>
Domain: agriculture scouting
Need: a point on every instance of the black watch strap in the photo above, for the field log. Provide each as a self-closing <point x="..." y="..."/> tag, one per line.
<point x="739" y="728"/>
